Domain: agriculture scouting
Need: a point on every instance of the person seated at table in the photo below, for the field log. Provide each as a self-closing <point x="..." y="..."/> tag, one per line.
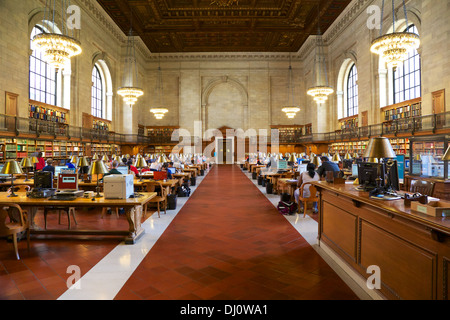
<point x="155" y="166"/>
<point x="50" y="166"/>
<point x="164" y="168"/>
<point x="327" y="166"/>
<point x="114" y="166"/>
<point x="70" y="165"/>
<point x="307" y="176"/>
<point x="41" y="162"/>
<point x="132" y="168"/>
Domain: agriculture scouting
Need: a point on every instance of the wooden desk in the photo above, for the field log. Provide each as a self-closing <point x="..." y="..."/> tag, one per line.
<point x="411" y="249"/>
<point x="192" y="171"/>
<point x="288" y="186"/>
<point x="132" y="206"/>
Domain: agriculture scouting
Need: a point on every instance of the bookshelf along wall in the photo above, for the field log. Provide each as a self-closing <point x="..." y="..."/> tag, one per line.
<point x="398" y="116"/>
<point x="289" y="134"/>
<point x="348" y="124"/>
<point x="400" y="145"/>
<point x="47" y="118"/>
<point x="161" y="134"/>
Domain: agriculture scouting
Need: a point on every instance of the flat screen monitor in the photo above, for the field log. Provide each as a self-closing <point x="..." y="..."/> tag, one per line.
<point x="172" y="170"/>
<point x="43" y="180"/>
<point x="123" y="169"/>
<point x="368" y="173"/>
<point x="392" y="174"/>
<point x="347" y="163"/>
<point x="355" y="170"/>
<point x="58" y="169"/>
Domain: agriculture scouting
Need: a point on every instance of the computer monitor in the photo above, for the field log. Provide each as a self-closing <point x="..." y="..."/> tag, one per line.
<point x="172" y="170"/>
<point x="347" y="163"/>
<point x="43" y="180"/>
<point x="368" y="174"/>
<point x="58" y="169"/>
<point x="123" y="169"/>
<point x="391" y="169"/>
<point x="355" y="170"/>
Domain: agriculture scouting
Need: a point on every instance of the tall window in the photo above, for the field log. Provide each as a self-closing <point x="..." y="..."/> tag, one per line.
<point x="407" y="79"/>
<point x="42" y="76"/>
<point x="97" y="93"/>
<point x="352" y="92"/>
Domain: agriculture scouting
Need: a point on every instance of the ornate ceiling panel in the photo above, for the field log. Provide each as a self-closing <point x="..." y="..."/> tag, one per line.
<point x="223" y="25"/>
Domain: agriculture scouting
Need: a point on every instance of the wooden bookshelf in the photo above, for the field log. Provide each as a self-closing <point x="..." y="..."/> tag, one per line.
<point x="308" y="129"/>
<point x="357" y="147"/>
<point x="349" y="123"/>
<point x="161" y="134"/>
<point x="101" y="124"/>
<point x="289" y="134"/>
<point x="45" y="118"/>
<point x="398" y="117"/>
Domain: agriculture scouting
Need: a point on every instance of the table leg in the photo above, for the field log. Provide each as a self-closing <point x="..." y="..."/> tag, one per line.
<point x="134" y="217"/>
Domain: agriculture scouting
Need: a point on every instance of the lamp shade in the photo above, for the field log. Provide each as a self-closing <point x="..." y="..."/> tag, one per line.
<point x="446" y="156"/>
<point x="11" y="167"/>
<point x="105" y="158"/>
<point x="336" y="157"/>
<point x="348" y="156"/>
<point x="26" y="163"/>
<point x="95" y="157"/>
<point x="82" y="162"/>
<point x="74" y="159"/>
<point x="379" y="148"/>
<point x="317" y="162"/>
<point x="140" y="163"/>
<point x="98" y="167"/>
<point x="34" y="160"/>
<point x="292" y="158"/>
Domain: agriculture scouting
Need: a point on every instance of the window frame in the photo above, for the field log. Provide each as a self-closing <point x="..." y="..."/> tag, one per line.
<point x="352" y="106"/>
<point x="97" y="93"/>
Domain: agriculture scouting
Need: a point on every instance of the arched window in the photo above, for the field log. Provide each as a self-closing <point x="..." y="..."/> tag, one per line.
<point x="407" y="79"/>
<point x="97" y="93"/>
<point x="352" y="92"/>
<point x="43" y="78"/>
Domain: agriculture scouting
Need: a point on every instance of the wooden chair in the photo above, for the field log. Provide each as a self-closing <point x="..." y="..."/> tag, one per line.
<point x="14" y="227"/>
<point x="311" y="199"/>
<point x="68" y="210"/>
<point x="423" y="187"/>
<point x="156" y="186"/>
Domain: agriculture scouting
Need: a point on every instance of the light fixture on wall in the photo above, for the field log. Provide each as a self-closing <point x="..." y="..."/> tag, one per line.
<point x="394" y="47"/>
<point x="321" y="90"/>
<point x="57" y="48"/>
<point x="130" y="90"/>
<point x="160" y="111"/>
<point x="291" y="109"/>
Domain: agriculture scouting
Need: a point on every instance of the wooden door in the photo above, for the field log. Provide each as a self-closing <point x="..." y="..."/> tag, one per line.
<point x="439" y="107"/>
<point x="11" y="110"/>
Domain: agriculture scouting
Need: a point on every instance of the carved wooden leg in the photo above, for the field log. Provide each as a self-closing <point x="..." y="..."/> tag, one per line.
<point x="134" y="217"/>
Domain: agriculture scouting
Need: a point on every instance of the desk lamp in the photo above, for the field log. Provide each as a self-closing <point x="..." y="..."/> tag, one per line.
<point x="12" y="167"/>
<point x="317" y="162"/>
<point x="26" y="163"/>
<point x="336" y="158"/>
<point x="98" y="167"/>
<point x="95" y="157"/>
<point x="139" y="164"/>
<point x="82" y="162"/>
<point x="348" y="156"/>
<point x="74" y="160"/>
<point x="292" y="159"/>
<point x="105" y="158"/>
<point x="379" y="148"/>
<point x="34" y="160"/>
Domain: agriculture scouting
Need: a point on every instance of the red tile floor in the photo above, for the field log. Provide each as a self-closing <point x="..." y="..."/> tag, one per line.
<point x="228" y="242"/>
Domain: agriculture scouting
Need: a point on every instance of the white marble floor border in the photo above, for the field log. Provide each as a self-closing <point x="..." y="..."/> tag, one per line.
<point x="308" y="229"/>
<point x="106" y="278"/>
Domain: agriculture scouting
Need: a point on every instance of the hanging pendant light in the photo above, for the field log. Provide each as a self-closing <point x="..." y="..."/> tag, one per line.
<point x="291" y="109"/>
<point x="57" y="48"/>
<point x="394" y="47"/>
<point x="321" y="90"/>
<point x="130" y="92"/>
<point x="160" y="111"/>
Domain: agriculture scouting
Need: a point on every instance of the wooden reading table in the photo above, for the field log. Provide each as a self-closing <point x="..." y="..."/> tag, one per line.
<point x="132" y="206"/>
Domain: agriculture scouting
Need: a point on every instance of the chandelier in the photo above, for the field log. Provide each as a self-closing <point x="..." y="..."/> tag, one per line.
<point x="394" y="47"/>
<point x="321" y="90"/>
<point x="290" y="110"/>
<point x="160" y="111"/>
<point x="129" y="92"/>
<point x="57" y="48"/>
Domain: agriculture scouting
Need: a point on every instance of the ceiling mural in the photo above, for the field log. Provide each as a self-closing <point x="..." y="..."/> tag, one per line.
<point x="223" y="25"/>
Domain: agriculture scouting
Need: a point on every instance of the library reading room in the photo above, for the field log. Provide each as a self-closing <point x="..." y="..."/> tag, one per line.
<point x="224" y="150"/>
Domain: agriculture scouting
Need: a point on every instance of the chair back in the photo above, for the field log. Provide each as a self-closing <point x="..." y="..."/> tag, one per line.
<point x="312" y="193"/>
<point x="153" y="186"/>
<point x="7" y="212"/>
<point x="423" y="187"/>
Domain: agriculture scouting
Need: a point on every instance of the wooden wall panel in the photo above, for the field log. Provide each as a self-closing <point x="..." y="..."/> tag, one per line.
<point x="340" y="226"/>
<point x="407" y="271"/>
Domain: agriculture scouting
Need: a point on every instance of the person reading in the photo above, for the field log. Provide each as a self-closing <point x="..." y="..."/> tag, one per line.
<point x="309" y="175"/>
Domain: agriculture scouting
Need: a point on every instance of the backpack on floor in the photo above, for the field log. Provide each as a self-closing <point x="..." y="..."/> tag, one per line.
<point x="287" y="208"/>
<point x="183" y="191"/>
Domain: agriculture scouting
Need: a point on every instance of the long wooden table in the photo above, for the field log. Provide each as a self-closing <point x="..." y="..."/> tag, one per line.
<point x="132" y="206"/>
<point x="411" y="249"/>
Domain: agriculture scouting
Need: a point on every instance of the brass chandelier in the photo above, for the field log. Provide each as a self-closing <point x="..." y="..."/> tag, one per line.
<point x="291" y="109"/>
<point x="160" y="111"/>
<point x="394" y="47"/>
<point x="57" y="48"/>
<point x="130" y="92"/>
<point x="321" y="90"/>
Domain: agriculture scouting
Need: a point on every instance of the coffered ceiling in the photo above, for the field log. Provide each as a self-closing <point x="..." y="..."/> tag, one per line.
<point x="223" y="25"/>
